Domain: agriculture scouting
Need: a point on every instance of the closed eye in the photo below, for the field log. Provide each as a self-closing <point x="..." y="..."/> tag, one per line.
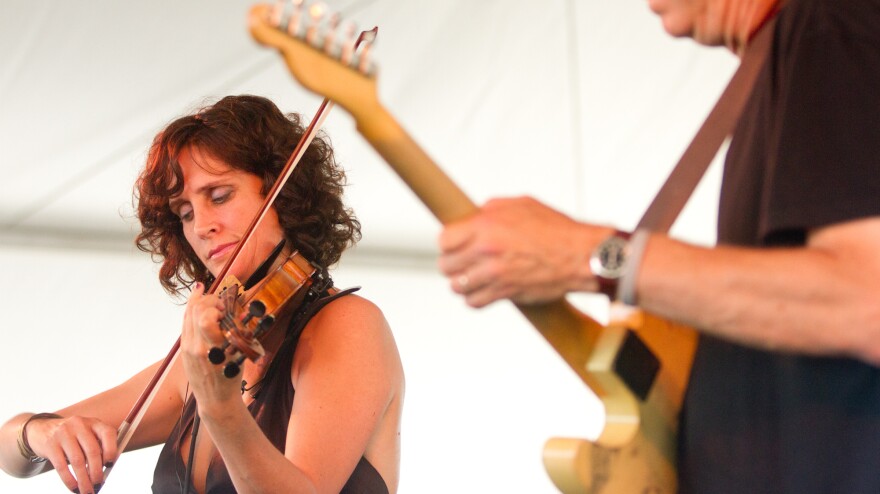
<point x="221" y="194"/>
<point x="185" y="212"/>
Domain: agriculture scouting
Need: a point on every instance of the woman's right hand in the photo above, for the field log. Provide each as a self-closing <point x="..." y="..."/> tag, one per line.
<point x="78" y="448"/>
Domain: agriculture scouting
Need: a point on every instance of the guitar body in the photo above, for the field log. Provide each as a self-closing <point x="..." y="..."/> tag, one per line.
<point x="637" y="367"/>
<point x="644" y="463"/>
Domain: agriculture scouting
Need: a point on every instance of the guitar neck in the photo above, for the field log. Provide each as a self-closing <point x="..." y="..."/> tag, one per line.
<point x="555" y="320"/>
<point x="433" y="187"/>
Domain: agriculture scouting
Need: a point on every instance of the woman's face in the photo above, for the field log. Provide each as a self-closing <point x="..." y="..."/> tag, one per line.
<point x="216" y="206"/>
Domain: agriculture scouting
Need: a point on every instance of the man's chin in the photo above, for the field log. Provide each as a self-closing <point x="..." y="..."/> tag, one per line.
<point x="677" y="28"/>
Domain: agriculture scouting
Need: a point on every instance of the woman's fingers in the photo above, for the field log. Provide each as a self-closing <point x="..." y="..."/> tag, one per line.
<point x="201" y="320"/>
<point x="76" y="459"/>
<point x="58" y="458"/>
<point x="107" y="435"/>
<point x="78" y="448"/>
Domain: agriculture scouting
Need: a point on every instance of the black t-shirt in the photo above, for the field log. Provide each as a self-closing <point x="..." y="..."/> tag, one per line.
<point x="806" y="154"/>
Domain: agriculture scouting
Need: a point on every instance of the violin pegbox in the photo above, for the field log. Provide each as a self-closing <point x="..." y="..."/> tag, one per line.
<point x="320" y="49"/>
<point x="251" y="315"/>
<point x="241" y="330"/>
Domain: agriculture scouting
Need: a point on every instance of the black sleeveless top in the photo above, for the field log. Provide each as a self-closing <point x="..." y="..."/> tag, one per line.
<point x="271" y="408"/>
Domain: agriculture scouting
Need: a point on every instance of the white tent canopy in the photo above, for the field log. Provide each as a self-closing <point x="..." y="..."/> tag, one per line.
<point x="585" y="105"/>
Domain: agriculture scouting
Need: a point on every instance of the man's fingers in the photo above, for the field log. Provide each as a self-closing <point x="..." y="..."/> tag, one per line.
<point x="455" y="236"/>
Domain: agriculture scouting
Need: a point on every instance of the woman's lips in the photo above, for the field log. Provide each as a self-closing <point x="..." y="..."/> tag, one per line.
<point x="221" y="250"/>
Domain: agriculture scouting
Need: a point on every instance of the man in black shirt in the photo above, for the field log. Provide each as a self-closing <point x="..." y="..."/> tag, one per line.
<point x="784" y="394"/>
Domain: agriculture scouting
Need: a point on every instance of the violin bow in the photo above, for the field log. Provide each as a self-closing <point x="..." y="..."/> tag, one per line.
<point x="317" y="29"/>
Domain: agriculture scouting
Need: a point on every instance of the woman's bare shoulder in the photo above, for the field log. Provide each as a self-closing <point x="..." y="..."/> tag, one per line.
<point x="349" y="313"/>
<point x="350" y="327"/>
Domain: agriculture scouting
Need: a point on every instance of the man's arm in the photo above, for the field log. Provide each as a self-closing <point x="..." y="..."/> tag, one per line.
<point x="823" y="298"/>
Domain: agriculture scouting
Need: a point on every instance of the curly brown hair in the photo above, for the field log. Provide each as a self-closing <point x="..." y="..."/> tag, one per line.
<point x="248" y="133"/>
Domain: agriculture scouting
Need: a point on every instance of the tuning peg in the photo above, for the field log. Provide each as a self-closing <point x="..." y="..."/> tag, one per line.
<point x="294" y="21"/>
<point x="255" y="309"/>
<point x="330" y="46"/>
<point x="267" y="322"/>
<point x="231" y="369"/>
<point x="347" y="42"/>
<point x="362" y="61"/>
<point x="317" y="11"/>
<point x="216" y="355"/>
<point x="285" y="15"/>
<point x="264" y="325"/>
<point x="278" y="16"/>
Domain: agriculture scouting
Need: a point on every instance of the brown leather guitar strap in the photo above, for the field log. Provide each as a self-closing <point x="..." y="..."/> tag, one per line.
<point x="683" y="179"/>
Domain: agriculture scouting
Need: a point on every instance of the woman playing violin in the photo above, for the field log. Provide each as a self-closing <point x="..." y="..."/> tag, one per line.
<point x="320" y="411"/>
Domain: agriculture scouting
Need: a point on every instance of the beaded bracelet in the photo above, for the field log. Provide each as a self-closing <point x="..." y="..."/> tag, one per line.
<point x="23" y="447"/>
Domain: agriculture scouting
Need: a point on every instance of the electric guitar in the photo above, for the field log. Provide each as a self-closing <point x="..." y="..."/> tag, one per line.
<point x="637" y="366"/>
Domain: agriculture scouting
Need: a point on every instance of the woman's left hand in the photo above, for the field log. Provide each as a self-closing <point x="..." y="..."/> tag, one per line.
<point x="201" y="331"/>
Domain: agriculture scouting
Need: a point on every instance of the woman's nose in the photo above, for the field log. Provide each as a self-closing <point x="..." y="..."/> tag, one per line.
<point x="205" y="223"/>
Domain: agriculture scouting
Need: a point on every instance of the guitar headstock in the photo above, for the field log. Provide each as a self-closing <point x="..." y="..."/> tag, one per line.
<point x="320" y="50"/>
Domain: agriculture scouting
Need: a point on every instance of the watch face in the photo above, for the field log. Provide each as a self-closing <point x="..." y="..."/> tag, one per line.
<point x="608" y="259"/>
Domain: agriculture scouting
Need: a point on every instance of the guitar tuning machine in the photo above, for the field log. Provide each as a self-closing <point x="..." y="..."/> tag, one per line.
<point x="278" y="15"/>
<point x="348" y="29"/>
<point x="286" y="15"/>
<point x="324" y="29"/>
<point x="316" y="30"/>
<point x="330" y="46"/>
